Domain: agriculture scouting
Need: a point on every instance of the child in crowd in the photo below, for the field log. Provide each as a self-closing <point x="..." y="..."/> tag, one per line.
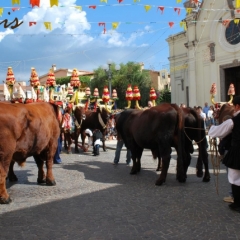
<point x="97" y="138"/>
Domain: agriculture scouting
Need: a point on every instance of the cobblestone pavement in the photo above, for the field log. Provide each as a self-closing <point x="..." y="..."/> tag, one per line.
<point x="94" y="199"/>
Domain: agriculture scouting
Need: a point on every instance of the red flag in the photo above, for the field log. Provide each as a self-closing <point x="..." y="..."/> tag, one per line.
<point x="161" y="8"/>
<point x="35" y="3"/>
<point x="171" y="24"/>
<point x="101" y="24"/>
<point x="15" y="9"/>
<point x="93" y="6"/>
<point x="32" y="23"/>
<point x="120" y="1"/>
<point x="177" y="10"/>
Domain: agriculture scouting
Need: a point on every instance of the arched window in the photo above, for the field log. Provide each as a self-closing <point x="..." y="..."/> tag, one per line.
<point x="233" y="33"/>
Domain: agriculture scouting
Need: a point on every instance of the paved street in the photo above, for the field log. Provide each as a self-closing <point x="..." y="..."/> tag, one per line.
<point x="95" y="200"/>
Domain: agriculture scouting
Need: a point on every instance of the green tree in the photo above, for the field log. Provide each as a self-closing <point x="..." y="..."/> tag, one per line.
<point x="129" y="73"/>
<point x="85" y="80"/>
<point x="163" y="96"/>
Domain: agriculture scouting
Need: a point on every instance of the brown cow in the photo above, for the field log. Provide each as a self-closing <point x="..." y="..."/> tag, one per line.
<point x="27" y="130"/>
<point x="157" y="129"/>
<point x="226" y="109"/>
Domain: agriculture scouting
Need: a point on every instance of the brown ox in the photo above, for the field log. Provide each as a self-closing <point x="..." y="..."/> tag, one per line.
<point x="94" y="120"/>
<point x="226" y="109"/>
<point x="194" y="131"/>
<point x="157" y="128"/>
<point x="30" y="130"/>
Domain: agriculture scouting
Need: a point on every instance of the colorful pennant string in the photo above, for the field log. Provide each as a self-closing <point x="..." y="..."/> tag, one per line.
<point x="115" y="25"/>
<point x="15" y="2"/>
<point x="1" y="12"/>
<point x="48" y="25"/>
<point x="147" y="7"/>
<point x="53" y="2"/>
<point x="93" y="6"/>
<point x="161" y="9"/>
<point x="35" y="3"/>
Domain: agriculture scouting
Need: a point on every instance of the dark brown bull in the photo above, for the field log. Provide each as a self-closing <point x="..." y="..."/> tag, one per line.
<point x="94" y="120"/>
<point x="194" y="131"/>
<point x="30" y="130"/>
<point x="226" y="109"/>
<point x="157" y="129"/>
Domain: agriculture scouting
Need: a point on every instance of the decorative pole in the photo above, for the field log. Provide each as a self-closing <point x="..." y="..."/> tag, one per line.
<point x="231" y="92"/>
<point x="10" y="80"/>
<point x="114" y="97"/>
<point x="213" y="92"/>
<point x="75" y="83"/>
<point x="136" y="96"/>
<point x="153" y="96"/>
<point x="34" y="81"/>
<point x="95" y="97"/>
<point x="106" y="97"/>
<point x="87" y="94"/>
<point x="129" y="95"/>
<point x="51" y="83"/>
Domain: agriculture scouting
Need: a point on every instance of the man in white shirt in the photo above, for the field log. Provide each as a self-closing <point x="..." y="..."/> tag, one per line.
<point x="232" y="159"/>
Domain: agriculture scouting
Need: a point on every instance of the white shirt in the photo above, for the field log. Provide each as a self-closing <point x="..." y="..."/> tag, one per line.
<point x="203" y="115"/>
<point x="88" y="131"/>
<point x="222" y="131"/>
<point x="210" y="114"/>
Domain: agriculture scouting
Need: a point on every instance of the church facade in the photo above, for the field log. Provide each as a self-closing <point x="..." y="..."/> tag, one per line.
<point x="206" y="52"/>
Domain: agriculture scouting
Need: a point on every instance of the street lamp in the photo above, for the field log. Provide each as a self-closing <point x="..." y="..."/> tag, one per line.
<point x="107" y="68"/>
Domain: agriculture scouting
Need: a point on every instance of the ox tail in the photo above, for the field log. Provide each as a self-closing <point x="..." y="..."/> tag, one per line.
<point x="181" y="165"/>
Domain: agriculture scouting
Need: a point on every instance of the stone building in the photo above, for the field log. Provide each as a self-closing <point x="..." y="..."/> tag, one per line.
<point x="206" y="52"/>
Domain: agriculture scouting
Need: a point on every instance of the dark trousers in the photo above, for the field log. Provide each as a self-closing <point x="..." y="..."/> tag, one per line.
<point x="236" y="194"/>
<point x="96" y="150"/>
<point x="57" y="158"/>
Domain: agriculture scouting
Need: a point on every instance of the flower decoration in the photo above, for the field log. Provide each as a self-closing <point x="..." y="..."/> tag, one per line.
<point x="87" y="92"/>
<point x="50" y="83"/>
<point x="231" y="90"/>
<point x="10" y="80"/>
<point x="34" y="80"/>
<point x="74" y="81"/>
<point x="213" y="90"/>
<point x="114" y="95"/>
<point x="129" y="93"/>
<point x="136" y="93"/>
<point x="105" y="95"/>
<point x="152" y="94"/>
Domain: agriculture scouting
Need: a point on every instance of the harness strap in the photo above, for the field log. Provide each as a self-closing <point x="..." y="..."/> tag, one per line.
<point x="77" y="124"/>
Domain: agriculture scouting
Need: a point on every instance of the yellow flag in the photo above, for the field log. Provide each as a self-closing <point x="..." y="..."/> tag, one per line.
<point x="1" y="11"/>
<point x="48" y="25"/>
<point x="15" y="2"/>
<point x="189" y="10"/>
<point x="147" y="7"/>
<point x="79" y="8"/>
<point x="237" y="3"/>
<point x="53" y="2"/>
<point x="115" y="25"/>
<point x="179" y="1"/>
<point x="103" y="1"/>
<point x="183" y="24"/>
<point x="236" y="21"/>
<point x="136" y="0"/>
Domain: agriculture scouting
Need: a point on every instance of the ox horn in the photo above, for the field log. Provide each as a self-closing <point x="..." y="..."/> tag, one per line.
<point x="137" y="105"/>
<point x="129" y="104"/>
<point x="212" y="100"/>
<point x="231" y="99"/>
<point x="109" y="111"/>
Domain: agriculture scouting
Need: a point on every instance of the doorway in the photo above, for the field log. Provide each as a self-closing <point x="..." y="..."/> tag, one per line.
<point x="232" y="75"/>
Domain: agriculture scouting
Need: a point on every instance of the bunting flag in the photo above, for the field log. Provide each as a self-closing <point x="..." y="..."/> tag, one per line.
<point x="53" y="2"/>
<point x="35" y="3"/>
<point x="179" y="1"/>
<point x="15" y="9"/>
<point x="171" y="24"/>
<point x="32" y="23"/>
<point x="48" y="25"/>
<point x="1" y="12"/>
<point x="102" y="24"/>
<point x="115" y="25"/>
<point x="15" y="2"/>
<point x="184" y="25"/>
<point x="236" y="21"/>
<point x="226" y="22"/>
<point x="93" y="6"/>
<point x="103" y="1"/>
<point x="147" y="7"/>
<point x="78" y="8"/>
<point x="237" y="3"/>
<point x="189" y="10"/>
<point x="177" y="10"/>
<point x="120" y="1"/>
<point x="161" y="9"/>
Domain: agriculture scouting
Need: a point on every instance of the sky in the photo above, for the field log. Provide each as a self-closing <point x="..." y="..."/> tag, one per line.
<point x="77" y="40"/>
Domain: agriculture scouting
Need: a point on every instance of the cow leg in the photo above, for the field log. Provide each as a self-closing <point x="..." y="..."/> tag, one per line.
<point x="65" y="140"/>
<point x="4" y="197"/>
<point x="76" y="135"/>
<point x="50" y="181"/>
<point x="103" y="144"/>
<point x="203" y="157"/>
<point x="41" y="174"/>
<point x="159" y="167"/>
<point x="134" y="167"/>
<point x="165" y="166"/>
<point x="139" y="155"/>
<point x="69" y="143"/>
<point x="11" y="175"/>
